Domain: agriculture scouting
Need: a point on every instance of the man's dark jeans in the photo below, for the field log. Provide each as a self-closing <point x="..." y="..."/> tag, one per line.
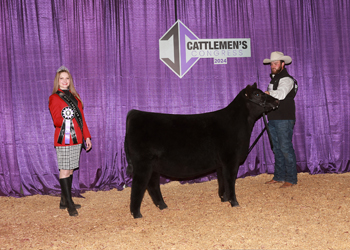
<point x="285" y="160"/>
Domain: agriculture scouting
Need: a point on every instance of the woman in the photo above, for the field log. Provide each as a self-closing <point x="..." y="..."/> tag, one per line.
<point x="67" y="114"/>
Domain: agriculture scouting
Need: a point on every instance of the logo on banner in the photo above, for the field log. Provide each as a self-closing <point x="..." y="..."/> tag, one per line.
<point x="180" y="49"/>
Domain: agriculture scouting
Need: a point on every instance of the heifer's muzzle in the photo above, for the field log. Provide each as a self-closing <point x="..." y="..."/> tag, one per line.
<point x="262" y="104"/>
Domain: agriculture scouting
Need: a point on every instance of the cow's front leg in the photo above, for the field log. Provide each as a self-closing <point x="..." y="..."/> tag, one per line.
<point x="221" y="184"/>
<point x="233" y="201"/>
<point x="153" y="188"/>
<point x="230" y="175"/>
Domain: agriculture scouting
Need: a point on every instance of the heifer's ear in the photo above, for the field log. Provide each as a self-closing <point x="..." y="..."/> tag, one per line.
<point x="248" y="91"/>
<point x="254" y="85"/>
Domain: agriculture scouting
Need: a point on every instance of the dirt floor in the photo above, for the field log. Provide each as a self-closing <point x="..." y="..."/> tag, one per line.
<point x="315" y="214"/>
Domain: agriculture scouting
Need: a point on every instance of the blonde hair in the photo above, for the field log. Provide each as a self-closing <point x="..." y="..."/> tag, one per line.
<point x="71" y="85"/>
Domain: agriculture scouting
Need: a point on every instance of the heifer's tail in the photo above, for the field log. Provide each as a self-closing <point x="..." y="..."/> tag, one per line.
<point x="129" y="168"/>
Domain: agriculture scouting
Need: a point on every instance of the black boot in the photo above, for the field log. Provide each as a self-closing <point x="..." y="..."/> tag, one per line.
<point x="63" y="202"/>
<point x="65" y="189"/>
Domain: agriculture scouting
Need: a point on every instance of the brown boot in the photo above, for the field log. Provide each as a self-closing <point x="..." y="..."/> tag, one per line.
<point x="272" y="182"/>
<point x="287" y="184"/>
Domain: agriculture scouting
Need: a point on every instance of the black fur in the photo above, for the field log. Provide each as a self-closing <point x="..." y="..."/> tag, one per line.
<point x="188" y="146"/>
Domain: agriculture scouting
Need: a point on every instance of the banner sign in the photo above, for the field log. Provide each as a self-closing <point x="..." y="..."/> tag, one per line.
<point x="180" y="49"/>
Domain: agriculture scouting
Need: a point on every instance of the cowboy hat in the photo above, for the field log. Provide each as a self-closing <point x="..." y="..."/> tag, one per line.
<point x="278" y="56"/>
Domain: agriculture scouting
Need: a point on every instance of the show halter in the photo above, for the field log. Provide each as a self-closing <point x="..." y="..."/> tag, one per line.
<point x="262" y="132"/>
<point x="263" y="104"/>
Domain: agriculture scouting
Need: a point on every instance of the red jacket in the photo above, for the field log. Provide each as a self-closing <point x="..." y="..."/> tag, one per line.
<point x="56" y="104"/>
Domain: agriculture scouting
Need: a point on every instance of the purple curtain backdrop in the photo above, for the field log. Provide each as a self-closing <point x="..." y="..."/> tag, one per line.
<point x="112" y="51"/>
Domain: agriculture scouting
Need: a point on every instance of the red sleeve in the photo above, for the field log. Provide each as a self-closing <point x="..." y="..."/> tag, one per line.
<point x="55" y="110"/>
<point x="85" y="128"/>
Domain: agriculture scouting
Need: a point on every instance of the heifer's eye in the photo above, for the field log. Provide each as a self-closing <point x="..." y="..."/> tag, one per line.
<point x="257" y="94"/>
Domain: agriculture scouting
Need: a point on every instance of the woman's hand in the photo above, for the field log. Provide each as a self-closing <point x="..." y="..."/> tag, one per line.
<point x="88" y="144"/>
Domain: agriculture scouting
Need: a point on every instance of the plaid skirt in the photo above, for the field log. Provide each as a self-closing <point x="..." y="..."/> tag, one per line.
<point x="68" y="157"/>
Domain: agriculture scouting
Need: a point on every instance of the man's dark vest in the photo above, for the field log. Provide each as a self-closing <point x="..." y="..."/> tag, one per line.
<point x="286" y="109"/>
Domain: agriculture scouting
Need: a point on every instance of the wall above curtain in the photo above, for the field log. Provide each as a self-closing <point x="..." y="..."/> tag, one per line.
<point x="112" y="50"/>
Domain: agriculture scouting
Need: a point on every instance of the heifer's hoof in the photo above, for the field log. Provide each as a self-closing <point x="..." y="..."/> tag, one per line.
<point x="223" y="199"/>
<point x="137" y="215"/>
<point x="162" y="206"/>
<point x="234" y="204"/>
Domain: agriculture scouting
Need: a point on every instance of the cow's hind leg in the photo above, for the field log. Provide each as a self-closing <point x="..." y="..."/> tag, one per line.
<point x="138" y="188"/>
<point x="153" y="188"/>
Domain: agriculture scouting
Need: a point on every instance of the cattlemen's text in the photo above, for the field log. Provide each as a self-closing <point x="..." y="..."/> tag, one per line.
<point x="215" y="45"/>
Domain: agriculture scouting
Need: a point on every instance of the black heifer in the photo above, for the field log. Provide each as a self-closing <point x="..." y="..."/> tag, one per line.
<point x="187" y="146"/>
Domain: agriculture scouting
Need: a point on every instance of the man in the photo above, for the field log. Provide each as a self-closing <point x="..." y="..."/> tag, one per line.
<point x="281" y="121"/>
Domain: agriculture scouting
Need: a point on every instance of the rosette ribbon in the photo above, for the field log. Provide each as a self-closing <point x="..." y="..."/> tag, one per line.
<point x="67" y="128"/>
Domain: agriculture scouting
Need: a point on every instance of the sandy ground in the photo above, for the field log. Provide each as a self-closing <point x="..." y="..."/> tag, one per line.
<point x="315" y="214"/>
